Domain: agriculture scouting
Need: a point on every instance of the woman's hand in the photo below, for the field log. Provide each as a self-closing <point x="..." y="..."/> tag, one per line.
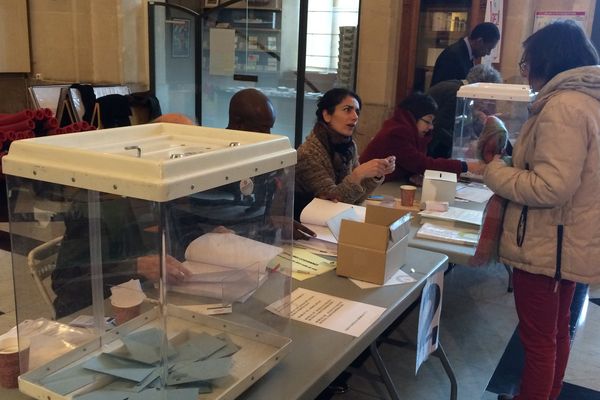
<point x="476" y="167"/>
<point x="302" y="232"/>
<point x="149" y="268"/>
<point x="373" y="168"/>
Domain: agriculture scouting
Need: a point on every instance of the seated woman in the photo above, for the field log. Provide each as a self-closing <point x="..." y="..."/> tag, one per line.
<point x="328" y="164"/>
<point x="406" y="136"/>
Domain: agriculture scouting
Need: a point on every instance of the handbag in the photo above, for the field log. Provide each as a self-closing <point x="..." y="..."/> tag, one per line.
<point x="489" y="237"/>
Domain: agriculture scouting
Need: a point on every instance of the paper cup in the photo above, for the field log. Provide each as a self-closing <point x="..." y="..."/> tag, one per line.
<point x="407" y="195"/>
<point x="9" y="362"/>
<point x="124" y="314"/>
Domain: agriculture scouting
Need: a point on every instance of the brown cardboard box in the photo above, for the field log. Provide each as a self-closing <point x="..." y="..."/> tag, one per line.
<point x="373" y="250"/>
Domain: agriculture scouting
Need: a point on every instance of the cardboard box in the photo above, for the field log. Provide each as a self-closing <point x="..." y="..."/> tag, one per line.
<point x="438" y="186"/>
<point x="373" y="250"/>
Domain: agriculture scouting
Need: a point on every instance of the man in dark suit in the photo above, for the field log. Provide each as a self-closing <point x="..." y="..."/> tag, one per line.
<point x="457" y="59"/>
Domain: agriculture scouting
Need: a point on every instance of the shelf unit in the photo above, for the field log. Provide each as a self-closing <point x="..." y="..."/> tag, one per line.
<point x="428" y="26"/>
<point x="439" y="27"/>
<point x="257" y="27"/>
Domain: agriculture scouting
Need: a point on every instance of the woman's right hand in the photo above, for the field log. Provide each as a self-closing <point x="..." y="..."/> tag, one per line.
<point x="373" y="168"/>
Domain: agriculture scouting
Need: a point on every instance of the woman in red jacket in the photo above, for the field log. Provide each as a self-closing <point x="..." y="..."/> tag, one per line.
<point x="406" y="136"/>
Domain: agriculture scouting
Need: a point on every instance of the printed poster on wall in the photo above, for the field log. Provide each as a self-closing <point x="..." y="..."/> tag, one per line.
<point x="429" y="318"/>
<point x="543" y="18"/>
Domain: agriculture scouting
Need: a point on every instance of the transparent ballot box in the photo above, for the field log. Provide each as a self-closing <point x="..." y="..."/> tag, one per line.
<point x="488" y="119"/>
<point x="144" y="258"/>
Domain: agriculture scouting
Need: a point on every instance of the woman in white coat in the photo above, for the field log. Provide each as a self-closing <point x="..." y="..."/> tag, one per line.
<point x="551" y="229"/>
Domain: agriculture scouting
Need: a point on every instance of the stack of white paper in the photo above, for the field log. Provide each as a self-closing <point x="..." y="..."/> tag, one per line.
<point x="324" y="217"/>
<point x="449" y="234"/>
<point x="454" y="214"/>
<point x="225" y="266"/>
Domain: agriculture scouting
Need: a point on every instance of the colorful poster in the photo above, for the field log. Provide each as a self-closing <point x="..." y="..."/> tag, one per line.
<point x="543" y="18"/>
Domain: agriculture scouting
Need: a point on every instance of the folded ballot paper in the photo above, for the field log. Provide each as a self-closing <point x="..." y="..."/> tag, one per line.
<point x="225" y="266"/>
<point x="324" y="217"/>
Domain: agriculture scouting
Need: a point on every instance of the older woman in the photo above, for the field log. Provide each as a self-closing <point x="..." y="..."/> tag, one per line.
<point x="551" y="228"/>
<point x="328" y="164"/>
<point x="406" y="136"/>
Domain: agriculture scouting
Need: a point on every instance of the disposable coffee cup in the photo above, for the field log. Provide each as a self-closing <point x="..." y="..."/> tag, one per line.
<point x="124" y="314"/>
<point x="126" y="301"/>
<point x="9" y="362"/>
<point x="407" y="195"/>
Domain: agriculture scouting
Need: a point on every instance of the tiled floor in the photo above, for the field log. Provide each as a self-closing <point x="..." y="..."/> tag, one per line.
<point x="478" y="322"/>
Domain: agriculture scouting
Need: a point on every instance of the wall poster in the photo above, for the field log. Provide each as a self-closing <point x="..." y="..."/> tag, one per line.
<point x="180" y="41"/>
<point x="543" y="18"/>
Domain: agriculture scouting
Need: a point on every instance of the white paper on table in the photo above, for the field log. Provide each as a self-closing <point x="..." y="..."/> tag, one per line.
<point x="318" y="211"/>
<point x="319" y="247"/>
<point x="322" y="233"/>
<point x="203" y="272"/>
<point x="329" y="312"/>
<point x="335" y="223"/>
<point x="477" y="194"/>
<point x="230" y="250"/>
<point x="449" y="234"/>
<point x="473" y="217"/>
<point x="227" y="291"/>
<point x="316" y="214"/>
<point x="398" y="278"/>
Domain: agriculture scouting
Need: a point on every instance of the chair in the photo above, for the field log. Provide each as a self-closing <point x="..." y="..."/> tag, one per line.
<point x="42" y="261"/>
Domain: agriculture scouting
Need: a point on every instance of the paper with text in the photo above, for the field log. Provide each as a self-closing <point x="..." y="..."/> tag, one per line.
<point x="329" y="312"/>
<point x="398" y="278"/>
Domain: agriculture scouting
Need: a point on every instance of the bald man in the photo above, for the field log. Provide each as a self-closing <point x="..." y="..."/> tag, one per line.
<point x="174" y="118"/>
<point x="250" y="110"/>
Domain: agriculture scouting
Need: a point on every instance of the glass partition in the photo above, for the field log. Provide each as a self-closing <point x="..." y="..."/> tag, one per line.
<point x="253" y="44"/>
<point x="173" y="58"/>
<point x="250" y="44"/>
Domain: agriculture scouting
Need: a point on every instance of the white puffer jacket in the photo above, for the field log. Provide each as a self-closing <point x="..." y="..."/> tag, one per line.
<point x="556" y="173"/>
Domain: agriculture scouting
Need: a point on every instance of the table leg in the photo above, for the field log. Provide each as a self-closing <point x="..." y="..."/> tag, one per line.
<point x="383" y="372"/>
<point x="439" y="353"/>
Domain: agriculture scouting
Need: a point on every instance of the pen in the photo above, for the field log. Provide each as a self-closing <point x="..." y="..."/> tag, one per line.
<point x="302" y="272"/>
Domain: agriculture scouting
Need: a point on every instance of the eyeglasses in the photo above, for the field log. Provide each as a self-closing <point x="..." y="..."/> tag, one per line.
<point x="523" y="66"/>
<point x="429" y="123"/>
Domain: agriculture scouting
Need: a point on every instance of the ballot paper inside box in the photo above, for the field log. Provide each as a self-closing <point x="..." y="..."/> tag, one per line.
<point x="128" y="203"/>
<point x="374" y="250"/>
<point x="219" y="360"/>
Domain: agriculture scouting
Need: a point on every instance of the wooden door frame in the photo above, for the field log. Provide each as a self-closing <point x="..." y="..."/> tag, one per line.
<point x="407" y="49"/>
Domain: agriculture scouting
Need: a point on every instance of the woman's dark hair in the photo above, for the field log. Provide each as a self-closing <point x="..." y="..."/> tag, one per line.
<point x="419" y="104"/>
<point x="558" y="47"/>
<point x="331" y="99"/>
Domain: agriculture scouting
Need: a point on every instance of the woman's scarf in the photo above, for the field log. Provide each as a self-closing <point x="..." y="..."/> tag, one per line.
<point x="341" y="149"/>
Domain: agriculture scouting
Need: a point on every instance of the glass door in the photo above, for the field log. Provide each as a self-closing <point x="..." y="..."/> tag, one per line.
<point x="173" y="58"/>
<point x="250" y="44"/>
<point x="331" y="52"/>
